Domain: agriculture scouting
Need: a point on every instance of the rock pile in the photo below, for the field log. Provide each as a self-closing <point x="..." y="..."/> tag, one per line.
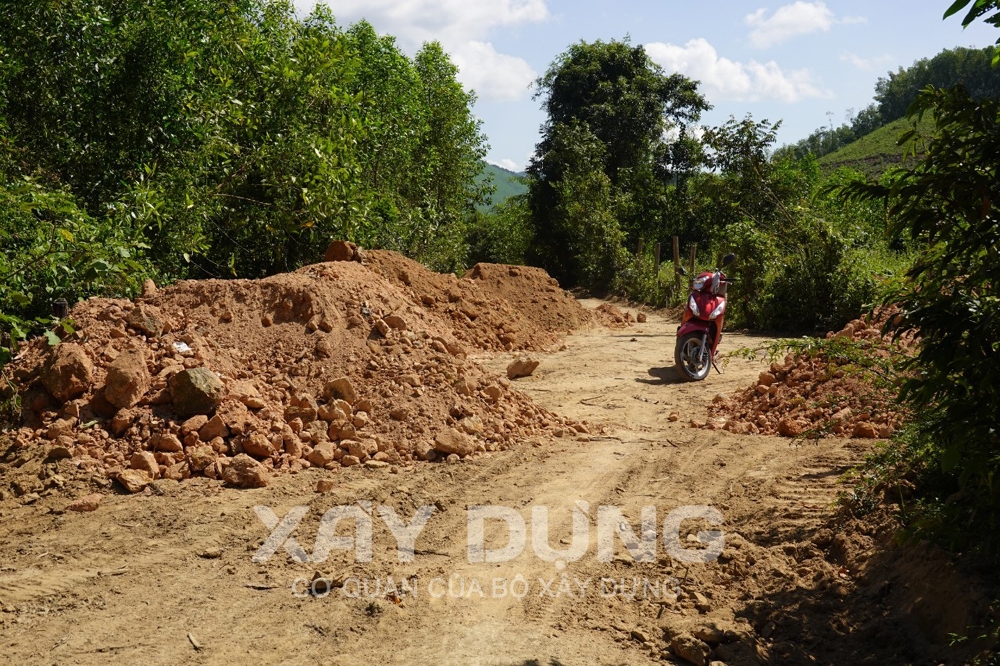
<point x="610" y="316"/>
<point x="357" y="362"/>
<point x="813" y="395"/>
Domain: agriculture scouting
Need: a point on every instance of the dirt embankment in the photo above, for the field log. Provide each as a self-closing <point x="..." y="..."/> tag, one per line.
<point x="338" y="364"/>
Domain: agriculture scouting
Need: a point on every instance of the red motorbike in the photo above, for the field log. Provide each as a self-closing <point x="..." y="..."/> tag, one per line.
<point x="700" y="332"/>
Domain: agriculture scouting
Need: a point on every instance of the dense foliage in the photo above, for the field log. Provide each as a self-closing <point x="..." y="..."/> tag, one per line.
<point x="195" y="139"/>
<point x="946" y="205"/>
<point x="806" y="260"/>
<point x="598" y="175"/>
<point x="620" y="168"/>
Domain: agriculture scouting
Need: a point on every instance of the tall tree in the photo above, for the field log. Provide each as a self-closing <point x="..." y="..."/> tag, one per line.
<point x="452" y="149"/>
<point x="615" y="93"/>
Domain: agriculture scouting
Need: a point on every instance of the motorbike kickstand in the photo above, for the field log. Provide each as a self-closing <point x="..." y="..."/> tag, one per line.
<point x="715" y="365"/>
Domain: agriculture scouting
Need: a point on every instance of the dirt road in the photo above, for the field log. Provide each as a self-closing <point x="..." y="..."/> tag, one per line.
<point x="169" y="576"/>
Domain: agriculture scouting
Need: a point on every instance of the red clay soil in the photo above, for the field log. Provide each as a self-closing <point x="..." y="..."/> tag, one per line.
<point x="610" y="316"/>
<point x="493" y="307"/>
<point x="394" y="333"/>
<point x="812" y="395"/>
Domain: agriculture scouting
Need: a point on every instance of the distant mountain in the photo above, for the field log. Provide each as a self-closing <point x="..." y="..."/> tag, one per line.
<point x="877" y="151"/>
<point x="505" y="181"/>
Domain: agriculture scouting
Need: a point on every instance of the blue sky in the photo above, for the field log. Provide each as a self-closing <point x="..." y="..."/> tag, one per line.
<point x="796" y="61"/>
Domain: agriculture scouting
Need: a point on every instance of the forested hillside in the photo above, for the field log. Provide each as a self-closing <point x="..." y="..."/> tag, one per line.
<point x="896" y="92"/>
<point x="506" y="184"/>
<point x="876" y="152"/>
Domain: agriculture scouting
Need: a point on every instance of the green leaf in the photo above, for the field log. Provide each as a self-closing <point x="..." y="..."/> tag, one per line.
<point x="52" y="338"/>
<point x="956" y="7"/>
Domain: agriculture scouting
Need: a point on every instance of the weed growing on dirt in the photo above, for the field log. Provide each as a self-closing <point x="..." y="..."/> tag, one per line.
<point x="852" y="356"/>
<point x="905" y="474"/>
<point x="988" y="634"/>
<point x="10" y="404"/>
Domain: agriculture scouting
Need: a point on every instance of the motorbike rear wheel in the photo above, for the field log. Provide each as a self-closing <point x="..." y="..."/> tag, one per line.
<point x="691" y="364"/>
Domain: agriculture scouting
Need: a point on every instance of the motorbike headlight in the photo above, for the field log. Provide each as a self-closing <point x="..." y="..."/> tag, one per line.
<point x="694" y="307"/>
<point x="698" y="284"/>
<point x="719" y="310"/>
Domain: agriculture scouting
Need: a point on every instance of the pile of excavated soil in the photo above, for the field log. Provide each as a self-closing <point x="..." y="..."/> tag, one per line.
<point x="335" y="365"/>
<point x="494" y="307"/>
<point x="814" y="395"/>
<point x="610" y="316"/>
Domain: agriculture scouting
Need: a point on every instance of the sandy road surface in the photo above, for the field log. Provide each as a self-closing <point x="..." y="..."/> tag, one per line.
<point x="168" y="576"/>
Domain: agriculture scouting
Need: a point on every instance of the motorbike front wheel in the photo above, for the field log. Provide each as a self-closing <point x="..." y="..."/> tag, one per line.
<point x="692" y="365"/>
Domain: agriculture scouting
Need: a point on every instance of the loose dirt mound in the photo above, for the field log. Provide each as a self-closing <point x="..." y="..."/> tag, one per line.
<point x="612" y="317"/>
<point x="493" y="307"/>
<point x="816" y="395"/>
<point x="539" y="297"/>
<point x="337" y="364"/>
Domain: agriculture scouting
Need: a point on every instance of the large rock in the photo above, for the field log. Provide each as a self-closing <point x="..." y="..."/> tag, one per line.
<point x="145" y="462"/>
<point x="424" y="451"/>
<point x="395" y="322"/>
<point x="196" y="391"/>
<point x="167" y="443"/>
<point x="248" y="394"/>
<point x="68" y="372"/>
<point x="128" y="380"/>
<point x="341" y="388"/>
<point x="200" y="457"/>
<point x="521" y="367"/>
<point x="789" y="427"/>
<point x="86" y="503"/>
<point x="146" y="319"/>
<point x="691" y="650"/>
<point x="245" y="472"/>
<point x="258" y="445"/>
<point x="322" y="455"/>
<point x="340" y="251"/>
<point x="865" y="430"/>
<point x="360" y="450"/>
<point x="214" y="427"/>
<point x="453" y="441"/>
<point x="134" y="480"/>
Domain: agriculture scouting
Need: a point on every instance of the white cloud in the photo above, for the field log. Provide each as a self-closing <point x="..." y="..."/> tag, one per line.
<point x="865" y="64"/>
<point x="508" y="164"/>
<point x="461" y="26"/>
<point x="492" y="74"/>
<point x="447" y="20"/>
<point x="798" y="18"/>
<point x="723" y="79"/>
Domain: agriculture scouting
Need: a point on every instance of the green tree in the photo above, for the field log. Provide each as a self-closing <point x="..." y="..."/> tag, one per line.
<point x="452" y="149"/>
<point x="503" y="234"/>
<point x="196" y="138"/>
<point x="946" y="205"/>
<point x="613" y="93"/>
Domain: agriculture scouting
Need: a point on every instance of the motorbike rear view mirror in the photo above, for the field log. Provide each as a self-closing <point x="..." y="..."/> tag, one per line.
<point x="681" y="271"/>
<point x="728" y="259"/>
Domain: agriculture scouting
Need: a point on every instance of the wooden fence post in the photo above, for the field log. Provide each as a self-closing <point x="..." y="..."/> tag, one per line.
<point x="677" y="264"/>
